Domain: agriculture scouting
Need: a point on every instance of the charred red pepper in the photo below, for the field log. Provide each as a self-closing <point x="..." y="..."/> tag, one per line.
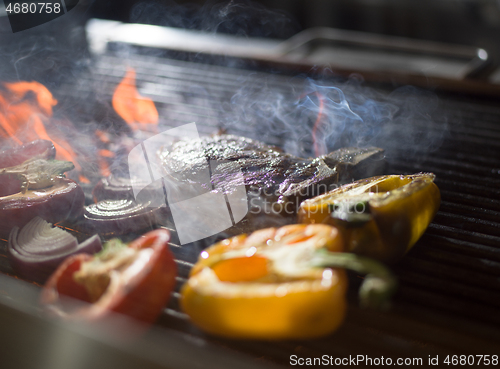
<point x="135" y="280"/>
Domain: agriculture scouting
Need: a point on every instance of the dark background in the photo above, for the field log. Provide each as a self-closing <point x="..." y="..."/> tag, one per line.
<point x="467" y="22"/>
<point x="57" y="50"/>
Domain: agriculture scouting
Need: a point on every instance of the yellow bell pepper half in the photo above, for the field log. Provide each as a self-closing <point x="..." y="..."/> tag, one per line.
<point x="379" y="217"/>
<point x="271" y="284"/>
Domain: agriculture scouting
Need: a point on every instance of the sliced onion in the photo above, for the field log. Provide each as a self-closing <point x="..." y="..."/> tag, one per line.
<point x="42" y="149"/>
<point x="122" y="216"/>
<point x="38" y="248"/>
<point x="115" y="187"/>
<point x="62" y="201"/>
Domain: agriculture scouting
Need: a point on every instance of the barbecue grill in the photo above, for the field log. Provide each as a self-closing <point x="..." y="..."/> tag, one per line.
<point x="448" y="298"/>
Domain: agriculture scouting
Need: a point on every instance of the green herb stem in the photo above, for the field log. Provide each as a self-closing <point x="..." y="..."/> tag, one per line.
<point x="379" y="284"/>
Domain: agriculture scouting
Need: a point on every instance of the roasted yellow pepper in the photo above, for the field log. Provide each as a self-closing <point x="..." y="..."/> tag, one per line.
<point x="379" y="217"/>
<point x="274" y="284"/>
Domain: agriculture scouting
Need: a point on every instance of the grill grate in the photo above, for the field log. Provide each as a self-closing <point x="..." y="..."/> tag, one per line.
<point x="448" y="299"/>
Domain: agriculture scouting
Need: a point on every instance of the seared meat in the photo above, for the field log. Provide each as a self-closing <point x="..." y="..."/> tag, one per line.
<point x="276" y="182"/>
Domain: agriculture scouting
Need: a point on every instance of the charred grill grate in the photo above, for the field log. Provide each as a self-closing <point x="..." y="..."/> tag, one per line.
<point x="449" y="294"/>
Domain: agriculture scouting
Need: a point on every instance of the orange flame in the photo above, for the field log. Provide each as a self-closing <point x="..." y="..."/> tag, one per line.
<point x="318" y="144"/>
<point x="105" y="155"/>
<point x="23" y="108"/>
<point x="103" y="136"/>
<point x="319" y="147"/>
<point x="137" y="111"/>
<point x="104" y="167"/>
<point x="103" y="163"/>
<point x="83" y="179"/>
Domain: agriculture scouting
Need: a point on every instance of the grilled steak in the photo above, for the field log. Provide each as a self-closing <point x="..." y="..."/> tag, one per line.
<point x="275" y="182"/>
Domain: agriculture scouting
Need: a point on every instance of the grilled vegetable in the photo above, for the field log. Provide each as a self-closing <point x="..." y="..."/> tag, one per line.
<point x="37" y="188"/>
<point x="380" y="217"/>
<point x="135" y="280"/>
<point x="41" y="149"/>
<point x="278" y="284"/>
<point x="37" y="249"/>
<point x="37" y="173"/>
<point x="115" y="187"/>
<point x="276" y="182"/>
<point x="121" y="216"/>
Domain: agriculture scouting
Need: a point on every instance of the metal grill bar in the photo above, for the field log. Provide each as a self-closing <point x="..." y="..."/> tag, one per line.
<point x="452" y="271"/>
<point x="454" y="268"/>
<point x="448" y="298"/>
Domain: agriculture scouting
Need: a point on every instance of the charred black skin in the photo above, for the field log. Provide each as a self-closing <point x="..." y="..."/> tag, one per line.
<point x="276" y="182"/>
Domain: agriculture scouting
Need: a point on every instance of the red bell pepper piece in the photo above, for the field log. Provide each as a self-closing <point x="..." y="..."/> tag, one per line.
<point x="135" y="280"/>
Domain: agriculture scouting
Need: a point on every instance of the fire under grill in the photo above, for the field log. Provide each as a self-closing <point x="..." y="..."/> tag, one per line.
<point x="449" y="284"/>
